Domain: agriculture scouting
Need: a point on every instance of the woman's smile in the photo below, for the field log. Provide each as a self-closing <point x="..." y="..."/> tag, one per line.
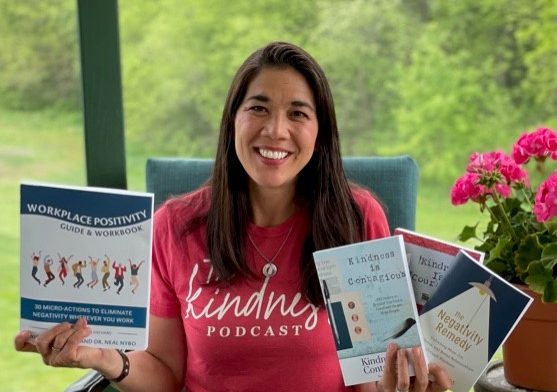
<point x="276" y="128"/>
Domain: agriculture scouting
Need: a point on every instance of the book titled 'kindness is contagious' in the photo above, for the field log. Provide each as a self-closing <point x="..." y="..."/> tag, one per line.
<point x="369" y="299"/>
<point x="86" y="253"/>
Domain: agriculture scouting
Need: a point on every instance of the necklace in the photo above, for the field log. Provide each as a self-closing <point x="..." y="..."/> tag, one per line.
<point x="270" y="269"/>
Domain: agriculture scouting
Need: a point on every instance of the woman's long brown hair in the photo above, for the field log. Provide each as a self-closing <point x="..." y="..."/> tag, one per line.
<point x="335" y="217"/>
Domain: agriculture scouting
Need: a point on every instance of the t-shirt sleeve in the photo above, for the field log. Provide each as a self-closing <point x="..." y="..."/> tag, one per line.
<point x="164" y="302"/>
<point x="375" y="220"/>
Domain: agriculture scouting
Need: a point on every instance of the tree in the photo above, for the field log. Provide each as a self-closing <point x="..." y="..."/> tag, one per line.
<point x="180" y="58"/>
<point x="39" y="56"/>
<point x="363" y="47"/>
<point x="470" y="83"/>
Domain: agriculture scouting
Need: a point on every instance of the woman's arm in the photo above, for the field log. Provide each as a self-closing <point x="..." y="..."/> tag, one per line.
<point x="159" y="368"/>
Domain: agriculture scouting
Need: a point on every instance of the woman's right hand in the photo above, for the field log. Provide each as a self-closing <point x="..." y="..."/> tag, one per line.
<point x="61" y="346"/>
<point x="160" y="367"/>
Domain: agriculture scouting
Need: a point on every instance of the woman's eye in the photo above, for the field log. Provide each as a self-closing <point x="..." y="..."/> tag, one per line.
<point x="299" y="114"/>
<point x="258" y="109"/>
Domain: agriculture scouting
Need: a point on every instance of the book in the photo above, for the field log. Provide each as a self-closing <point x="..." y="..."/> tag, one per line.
<point x="370" y="303"/>
<point x="468" y="318"/>
<point x="86" y="252"/>
<point x="429" y="261"/>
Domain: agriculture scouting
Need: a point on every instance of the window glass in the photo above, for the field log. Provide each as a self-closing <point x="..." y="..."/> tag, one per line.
<point x="422" y="78"/>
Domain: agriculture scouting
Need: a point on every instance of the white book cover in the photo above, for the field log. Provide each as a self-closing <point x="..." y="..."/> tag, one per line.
<point x="429" y="261"/>
<point x="468" y="318"/>
<point x="86" y="252"/>
<point x="369" y="300"/>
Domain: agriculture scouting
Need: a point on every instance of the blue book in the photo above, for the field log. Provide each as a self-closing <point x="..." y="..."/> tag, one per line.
<point x="86" y="252"/>
<point x="468" y="318"/>
<point x="369" y="299"/>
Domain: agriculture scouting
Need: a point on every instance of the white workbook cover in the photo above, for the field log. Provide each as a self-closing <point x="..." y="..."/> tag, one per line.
<point x="86" y="252"/>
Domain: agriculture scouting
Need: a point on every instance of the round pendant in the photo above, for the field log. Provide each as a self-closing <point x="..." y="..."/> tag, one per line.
<point x="269" y="270"/>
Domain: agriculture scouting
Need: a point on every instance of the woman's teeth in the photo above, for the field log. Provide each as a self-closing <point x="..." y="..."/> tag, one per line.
<point x="272" y="154"/>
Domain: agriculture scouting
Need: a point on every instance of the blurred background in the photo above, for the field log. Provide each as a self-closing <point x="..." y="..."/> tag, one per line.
<point x="435" y="79"/>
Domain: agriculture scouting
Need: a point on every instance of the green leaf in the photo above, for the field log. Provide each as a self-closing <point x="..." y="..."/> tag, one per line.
<point x="549" y="255"/>
<point x="538" y="277"/>
<point x="528" y="251"/>
<point x="499" y="267"/>
<point x="498" y="250"/>
<point x="550" y="292"/>
<point x="467" y="233"/>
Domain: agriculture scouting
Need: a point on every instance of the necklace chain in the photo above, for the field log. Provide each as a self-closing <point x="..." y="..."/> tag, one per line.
<point x="270" y="269"/>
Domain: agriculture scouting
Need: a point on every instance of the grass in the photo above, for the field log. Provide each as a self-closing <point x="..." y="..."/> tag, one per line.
<point x="48" y="146"/>
<point x="42" y="147"/>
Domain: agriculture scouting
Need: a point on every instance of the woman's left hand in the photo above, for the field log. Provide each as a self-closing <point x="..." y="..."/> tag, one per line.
<point x="432" y="378"/>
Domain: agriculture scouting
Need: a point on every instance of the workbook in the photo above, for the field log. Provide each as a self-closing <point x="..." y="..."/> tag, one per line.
<point x="86" y="253"/>
<point x="369" y="299"/>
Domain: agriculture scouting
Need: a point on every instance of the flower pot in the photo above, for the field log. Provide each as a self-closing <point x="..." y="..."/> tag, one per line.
<point x="530" y="352"/>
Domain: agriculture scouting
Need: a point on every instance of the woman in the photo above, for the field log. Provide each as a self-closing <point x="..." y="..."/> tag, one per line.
<point x="47" y="265"/>
<point x="134" y="268"/>
<point x="94" y="276"/>
<point x="35" y="260"/>
<point x="235" y="298"/>
<point x="63" y="267"/>
<point x="105" y="270"/>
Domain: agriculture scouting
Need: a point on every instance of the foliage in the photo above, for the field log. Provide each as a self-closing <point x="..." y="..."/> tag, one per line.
<point x="180" y="60"/>
<point x="520" y="239"/>
<point x="363" y="48"/>
<point x="413" y="77"/>
<point x="472" y="70"/>
<point x="39" y="56"/>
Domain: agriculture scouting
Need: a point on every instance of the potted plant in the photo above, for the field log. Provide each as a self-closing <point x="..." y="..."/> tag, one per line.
<point x="520" y="242"/>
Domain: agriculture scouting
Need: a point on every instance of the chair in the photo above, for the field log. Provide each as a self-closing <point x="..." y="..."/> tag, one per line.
<point x="394" y="180"/>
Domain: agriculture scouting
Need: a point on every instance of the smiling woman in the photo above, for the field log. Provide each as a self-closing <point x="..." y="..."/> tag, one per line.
<point x="276" y="129"/>
<point x="235" y="256"/>
<point x="399" y="70"/>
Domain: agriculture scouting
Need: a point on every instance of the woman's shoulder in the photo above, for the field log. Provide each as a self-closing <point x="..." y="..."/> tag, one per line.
<point x="375" y="218"/>
<point x="186" y="207"/>
<point x="365" y="198"/>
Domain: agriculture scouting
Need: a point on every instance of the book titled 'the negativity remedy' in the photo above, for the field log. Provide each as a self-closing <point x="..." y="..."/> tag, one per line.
<point x="468" y="317"/>
<point x="370" y="303"/>
<point x="86" y="253"/>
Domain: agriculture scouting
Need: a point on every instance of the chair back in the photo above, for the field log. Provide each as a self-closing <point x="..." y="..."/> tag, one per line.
<point x="393" y="180"/>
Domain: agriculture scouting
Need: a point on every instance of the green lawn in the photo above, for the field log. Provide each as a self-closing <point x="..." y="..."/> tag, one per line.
<point x="43" y="147"/>
<point x="49" y="147"/>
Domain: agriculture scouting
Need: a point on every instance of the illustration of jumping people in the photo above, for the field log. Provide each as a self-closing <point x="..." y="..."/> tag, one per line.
<point x="94" y="277"/>
<point x="63" y="267"/>
<point x="35" y="259"/>
<point x="134" y="282"/>
<point x="119" y="275"/>
<point x="76" y="268"/>
<point x="105" y="269"/>
<point x="47" y="264"/>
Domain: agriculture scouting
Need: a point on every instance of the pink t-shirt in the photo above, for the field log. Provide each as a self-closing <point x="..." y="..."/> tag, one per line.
<point x="254" y="335"/>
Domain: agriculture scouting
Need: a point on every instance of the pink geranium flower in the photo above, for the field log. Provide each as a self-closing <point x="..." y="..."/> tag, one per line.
<point x="467" y="188"/>
<point x="546" y="199"/>
<point x="497" y="171"/>
<point x="521" y="232"/>
<point x="540" y="144"/>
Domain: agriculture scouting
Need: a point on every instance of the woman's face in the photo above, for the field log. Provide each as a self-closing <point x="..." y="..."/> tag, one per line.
<point x="276" y="128"/>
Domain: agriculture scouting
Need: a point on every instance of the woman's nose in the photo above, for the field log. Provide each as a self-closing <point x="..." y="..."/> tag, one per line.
<point x="277" y="126"/>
